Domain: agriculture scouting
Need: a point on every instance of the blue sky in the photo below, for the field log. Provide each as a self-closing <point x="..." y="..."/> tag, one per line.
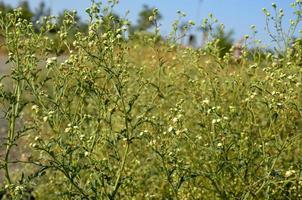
<point x="238" y="15"/>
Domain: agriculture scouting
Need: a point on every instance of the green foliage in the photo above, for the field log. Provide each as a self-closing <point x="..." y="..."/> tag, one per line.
<point x="111" y="21"/>
<point x="146" y="19"/>
<point x="5" y="8"/>
<point x="66" y="16"/>
<point x="223" y="40"/>
<point x="26" y="12"/>
<point x="41" y="11"/>
<point x="117" y="119"/>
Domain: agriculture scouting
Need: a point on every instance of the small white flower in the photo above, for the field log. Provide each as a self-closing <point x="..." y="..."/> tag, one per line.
<point x="124" y="27"/>
<point x="45" y="118"/>
<point x="34" y="145"/>
<point x="289" y="173"/>
<point x="152" y="142"/>
<point x="104" y="35"/>
<point x="75" y="43"/>
<point x="91" y="32"/>
<point x="51" y="61"/>
<point x="19" y="188"/>
<point x="90" y="44"/>
<point x="63" y="35"/>
<point x="219" y="144"/>
<point x="179" y="116"/>
<point x="175" y="120"/>
<point x="232" y="108"/>
<point x="34" y="107"/>
<point x="206" y="101"/>
<point x="290" y="77"/>
<point x="67" y="130"/>
<point x="170" y="129"/>
<point x="214" y="121"/>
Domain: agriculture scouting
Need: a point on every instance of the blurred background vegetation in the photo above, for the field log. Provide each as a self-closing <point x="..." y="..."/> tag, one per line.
<point x="143" y="27"/>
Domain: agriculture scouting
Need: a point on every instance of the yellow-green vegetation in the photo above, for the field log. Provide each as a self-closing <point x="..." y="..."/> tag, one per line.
<point x="115" y="118"/>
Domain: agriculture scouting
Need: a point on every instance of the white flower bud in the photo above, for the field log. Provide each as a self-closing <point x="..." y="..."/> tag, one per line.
<point x="289" y="173"/>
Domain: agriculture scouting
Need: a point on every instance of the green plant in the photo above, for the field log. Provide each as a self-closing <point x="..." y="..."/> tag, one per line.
<point x="113" y="118"/>
<point x="146" y="19"/>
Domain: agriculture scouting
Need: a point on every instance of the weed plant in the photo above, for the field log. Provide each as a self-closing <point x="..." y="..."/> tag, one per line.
<point x="114" y="118"/>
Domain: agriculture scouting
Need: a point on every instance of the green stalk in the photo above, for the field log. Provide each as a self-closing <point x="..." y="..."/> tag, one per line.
<point x="12" y="127"/>
<point x="119" y="174"/>
<point x="117" y="182"/>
